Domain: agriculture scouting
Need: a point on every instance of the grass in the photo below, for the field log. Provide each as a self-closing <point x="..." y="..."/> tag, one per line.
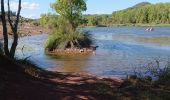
<point x="20" y="65"/>
<point x="29" y="67"/>
<point x="77" y="39"/>
<point x="153" y="82"/>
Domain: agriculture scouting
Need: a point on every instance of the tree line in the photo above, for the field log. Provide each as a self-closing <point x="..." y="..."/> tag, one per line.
<point x="142" y="13"/>
<point x="145" y="14"/>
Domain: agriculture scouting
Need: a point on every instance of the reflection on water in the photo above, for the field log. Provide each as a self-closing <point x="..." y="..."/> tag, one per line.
<point x="72" y="63"/>
<point x="158" y="40"/>
<point x="120" y="49"/>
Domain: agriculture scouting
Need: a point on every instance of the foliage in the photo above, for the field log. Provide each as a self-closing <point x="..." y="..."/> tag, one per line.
<point x="139" y="14"/>
<point x="49" y="20"/>
<point x="66" y="34"/>
<point x="155" y="72"/>
<point x="70" y="10"/>
<point x="96" y="20"/>
<point x="58" y="40"/>
<point x="164" y="76"/>
<point x="144" y="13"/>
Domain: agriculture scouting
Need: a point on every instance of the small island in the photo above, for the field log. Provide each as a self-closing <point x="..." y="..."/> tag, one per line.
<point x="66" y="38"/>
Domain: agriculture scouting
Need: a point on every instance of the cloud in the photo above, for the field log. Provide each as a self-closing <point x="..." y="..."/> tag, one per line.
<point x="31" y="16"/>
<point x="25" y="5"/>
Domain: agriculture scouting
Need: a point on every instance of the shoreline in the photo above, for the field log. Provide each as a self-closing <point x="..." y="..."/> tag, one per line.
<point x="129" y="25"/>
<point x="27" y="30"/>
<point x="49" y="85"/>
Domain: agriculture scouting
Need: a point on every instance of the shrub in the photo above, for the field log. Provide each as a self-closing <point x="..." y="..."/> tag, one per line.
<point x="164" y="76"/>
<point x="156" y="72"/>
<point x="75" y="39"/>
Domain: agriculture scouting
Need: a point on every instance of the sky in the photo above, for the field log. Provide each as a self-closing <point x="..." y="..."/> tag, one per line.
<point x="34" y="8"/>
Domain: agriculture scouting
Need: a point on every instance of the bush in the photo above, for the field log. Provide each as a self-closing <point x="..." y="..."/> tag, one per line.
<point x="75" y="39"/>
<point x="164" y="76"/>
<point x="155" y="71"/>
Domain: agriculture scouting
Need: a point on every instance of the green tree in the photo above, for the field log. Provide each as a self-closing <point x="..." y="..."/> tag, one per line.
<point x="66" y="34"/>
<point x="144" y="13"/>
<point x="70" y="10"/>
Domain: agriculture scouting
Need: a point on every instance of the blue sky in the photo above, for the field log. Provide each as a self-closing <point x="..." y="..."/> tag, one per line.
<point x="33" y="8"/>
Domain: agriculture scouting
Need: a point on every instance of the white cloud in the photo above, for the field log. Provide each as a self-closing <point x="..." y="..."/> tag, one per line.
<point x="25" y="5"/>
<point x="31" y="16"/>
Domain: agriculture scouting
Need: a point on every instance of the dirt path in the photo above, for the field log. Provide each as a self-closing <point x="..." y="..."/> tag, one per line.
<point x="56" y="86"/>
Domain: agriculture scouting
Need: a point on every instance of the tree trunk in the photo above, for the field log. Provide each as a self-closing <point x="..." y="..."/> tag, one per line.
<point x="72" y="44"/>
<point x="14" y="29"/>
<point x="5" y="31"/>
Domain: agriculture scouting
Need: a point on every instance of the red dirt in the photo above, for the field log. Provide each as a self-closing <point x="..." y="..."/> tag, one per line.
<point x="53" y="86"/>
<point x="27" y="30"/>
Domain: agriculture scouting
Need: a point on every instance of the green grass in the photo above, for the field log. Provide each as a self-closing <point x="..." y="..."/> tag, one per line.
<point x="59" y="40"/>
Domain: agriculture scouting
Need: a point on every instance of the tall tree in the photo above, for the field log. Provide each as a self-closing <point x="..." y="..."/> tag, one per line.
<point x="13" y="25"/>
<point x="66" y="34"/>
<point x="70" y="10"/>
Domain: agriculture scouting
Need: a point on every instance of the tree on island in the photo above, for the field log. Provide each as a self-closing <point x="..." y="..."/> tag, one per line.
<point x="13" y="23"/>
<point x="65" y="34"/>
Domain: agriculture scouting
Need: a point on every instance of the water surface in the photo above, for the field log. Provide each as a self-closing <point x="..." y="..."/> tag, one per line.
<point x="120" y="50"/>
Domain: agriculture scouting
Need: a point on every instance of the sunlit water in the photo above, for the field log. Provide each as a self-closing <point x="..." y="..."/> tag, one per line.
<point x="120" y="50"/>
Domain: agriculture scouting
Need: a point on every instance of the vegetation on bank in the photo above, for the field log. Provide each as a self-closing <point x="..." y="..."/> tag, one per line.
<point x="65" y="33"/>
<point x="142" y="14"/>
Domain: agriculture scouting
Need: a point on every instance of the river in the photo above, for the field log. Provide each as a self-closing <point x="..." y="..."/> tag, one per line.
<point x="121" y="49"/>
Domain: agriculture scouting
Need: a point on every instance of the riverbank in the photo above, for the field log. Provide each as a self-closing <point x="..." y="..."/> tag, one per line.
<point x="27" y="29"/>
<point x="19" y="82"/>
<point x="16" y="84"/>
<point x="128" y="25"/>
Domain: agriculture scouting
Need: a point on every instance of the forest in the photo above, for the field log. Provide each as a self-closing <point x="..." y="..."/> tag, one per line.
<point x="142" y="13"/>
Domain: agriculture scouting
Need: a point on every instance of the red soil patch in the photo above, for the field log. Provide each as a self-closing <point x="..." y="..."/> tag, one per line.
<point x="53" y="86"/>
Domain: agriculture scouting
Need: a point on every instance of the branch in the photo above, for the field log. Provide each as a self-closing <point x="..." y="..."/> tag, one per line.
<point x="9" y="17"/>
<point x="18" y="15"/>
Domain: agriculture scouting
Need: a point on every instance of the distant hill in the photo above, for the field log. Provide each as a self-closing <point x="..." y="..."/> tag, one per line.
<point x="140" y="5"/>
<point x="144" y="12"/>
